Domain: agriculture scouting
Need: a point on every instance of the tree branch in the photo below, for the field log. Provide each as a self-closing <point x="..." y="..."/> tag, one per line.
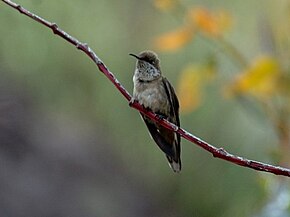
<point x="216" y="152"/>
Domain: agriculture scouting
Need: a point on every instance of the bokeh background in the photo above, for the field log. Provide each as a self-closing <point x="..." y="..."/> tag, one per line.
<point x="71" y="146"/>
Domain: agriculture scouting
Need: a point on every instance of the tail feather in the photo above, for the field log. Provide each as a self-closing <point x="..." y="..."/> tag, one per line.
<point x="174" y="164"/>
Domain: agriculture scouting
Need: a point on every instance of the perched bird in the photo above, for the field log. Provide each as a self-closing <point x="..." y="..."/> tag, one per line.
<point x="155" y="93"/>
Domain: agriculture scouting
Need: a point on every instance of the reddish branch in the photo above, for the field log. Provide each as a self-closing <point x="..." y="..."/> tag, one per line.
<point x="216" y="152"/>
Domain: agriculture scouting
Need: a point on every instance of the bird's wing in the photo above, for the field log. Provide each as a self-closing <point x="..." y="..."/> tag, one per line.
<point x="157" y="137"/>
<point x="174" y="105"/>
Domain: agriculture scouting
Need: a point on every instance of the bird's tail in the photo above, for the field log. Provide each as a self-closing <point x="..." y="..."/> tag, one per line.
<point x="175" y="164"/>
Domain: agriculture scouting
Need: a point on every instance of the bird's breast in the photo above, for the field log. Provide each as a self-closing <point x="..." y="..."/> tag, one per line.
<point x="152" y="95"/>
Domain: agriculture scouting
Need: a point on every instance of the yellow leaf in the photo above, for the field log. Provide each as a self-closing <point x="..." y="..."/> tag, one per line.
<point x="164" y="5"/>
<point x="174" y="40"/>
<point x="210" y="23"/>
<point x="189" y="88"/>
<point x="259" y="80"/>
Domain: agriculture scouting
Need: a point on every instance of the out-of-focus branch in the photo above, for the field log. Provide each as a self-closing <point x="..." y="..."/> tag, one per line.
<point x="216" y="152"/>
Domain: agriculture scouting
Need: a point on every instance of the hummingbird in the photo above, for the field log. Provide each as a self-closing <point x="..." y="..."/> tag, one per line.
<point x="154" y="92"/>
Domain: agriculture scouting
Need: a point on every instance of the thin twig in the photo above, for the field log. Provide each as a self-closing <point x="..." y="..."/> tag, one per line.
<point x="216" y="152"/>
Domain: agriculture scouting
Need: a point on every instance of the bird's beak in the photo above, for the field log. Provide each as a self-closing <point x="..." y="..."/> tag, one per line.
<point x="134" y="55"/>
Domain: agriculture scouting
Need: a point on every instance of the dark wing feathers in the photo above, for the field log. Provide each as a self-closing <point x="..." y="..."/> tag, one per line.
<point x="174" y="105"/>
<point x="157" y="137"/>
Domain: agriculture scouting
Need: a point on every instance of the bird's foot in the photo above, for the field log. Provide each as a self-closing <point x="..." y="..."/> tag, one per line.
<point x="132" y="101"/>
<point x="160" y="116"/>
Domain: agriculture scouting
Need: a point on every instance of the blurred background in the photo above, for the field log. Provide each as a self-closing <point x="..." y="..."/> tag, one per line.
<point x="71" y="146"/>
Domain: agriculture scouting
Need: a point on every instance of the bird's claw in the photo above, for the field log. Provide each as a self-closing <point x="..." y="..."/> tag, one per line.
<point x="160" y="117"/>
<point x="132" y="101"/>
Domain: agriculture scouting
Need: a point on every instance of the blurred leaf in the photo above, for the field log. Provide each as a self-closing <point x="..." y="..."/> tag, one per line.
<point x="210" y="23"/>
<point x="165" y="5"/>
<point x="259" y="80"/>
<point x="174" y="40"/>
<point x="201" y="19"/>
<point x="190" y="85"/>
